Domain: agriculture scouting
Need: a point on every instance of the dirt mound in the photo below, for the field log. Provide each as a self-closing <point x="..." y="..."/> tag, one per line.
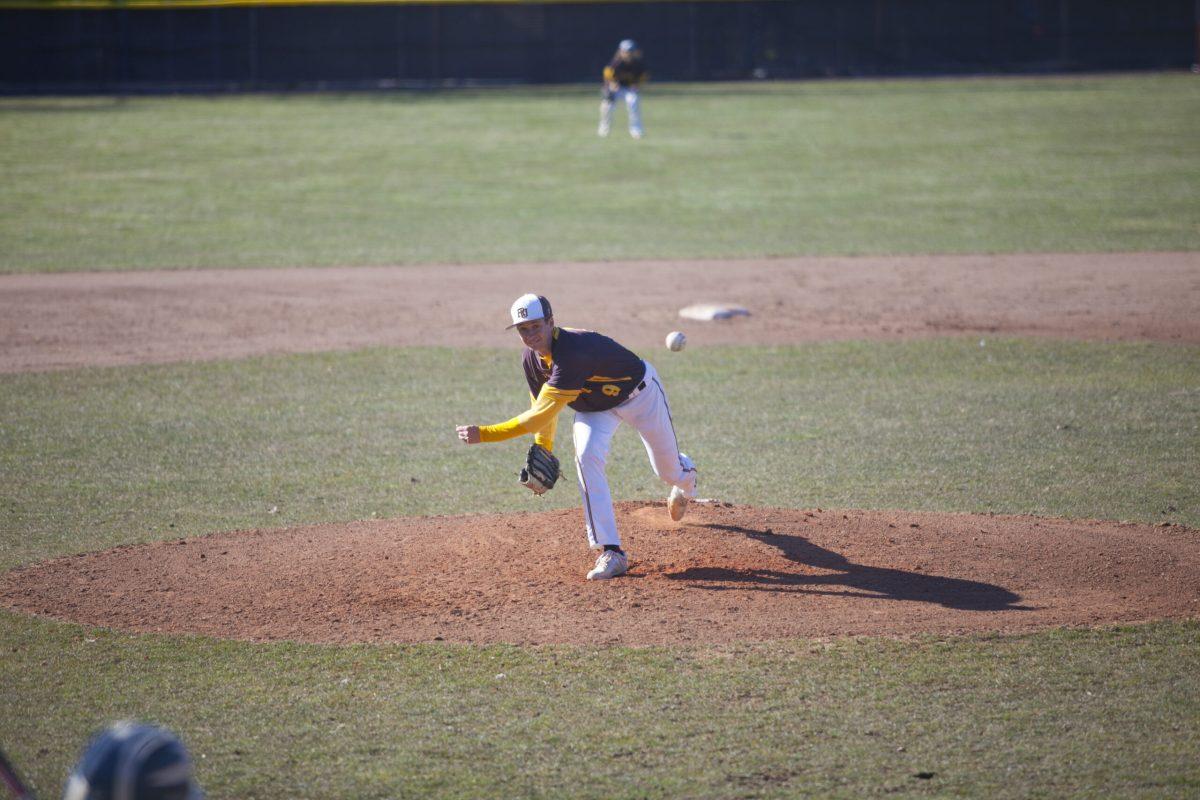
<point x="726" y="573"/>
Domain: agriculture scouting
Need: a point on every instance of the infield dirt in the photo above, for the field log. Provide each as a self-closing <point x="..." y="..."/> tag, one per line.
<point x="727" y="573"/>
<point x="65" y="321"/>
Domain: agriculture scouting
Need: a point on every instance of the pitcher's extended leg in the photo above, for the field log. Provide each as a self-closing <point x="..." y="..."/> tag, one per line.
<point x="650" y="414"/>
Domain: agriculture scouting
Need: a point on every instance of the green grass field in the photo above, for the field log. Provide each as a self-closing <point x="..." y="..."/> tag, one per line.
<point x="93" y="458"/>
<point x="101" y="457"/>
<point x="1109" y="713"/>
<point x="727" y="170"/>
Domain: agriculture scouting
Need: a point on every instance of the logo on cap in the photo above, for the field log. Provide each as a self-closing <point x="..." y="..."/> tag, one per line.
<point x="529" y="307"/>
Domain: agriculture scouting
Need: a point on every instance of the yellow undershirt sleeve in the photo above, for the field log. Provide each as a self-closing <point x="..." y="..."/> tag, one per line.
<point x="545" y="437"/>
<point x="541" y="419"/>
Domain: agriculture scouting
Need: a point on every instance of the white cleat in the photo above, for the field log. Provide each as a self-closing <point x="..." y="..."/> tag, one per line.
<point x="636" y="134"/>
<point x="602" y="132"/>
<point x="677" y="503"/>
<point x="610" y="564"/>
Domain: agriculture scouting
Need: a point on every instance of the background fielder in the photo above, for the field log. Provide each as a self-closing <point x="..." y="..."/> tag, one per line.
<point x="622" y="78"/>
<point x="606" y="384"/>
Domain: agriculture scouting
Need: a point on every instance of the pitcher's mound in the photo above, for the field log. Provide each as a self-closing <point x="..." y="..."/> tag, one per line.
<point x="726" y="573"/>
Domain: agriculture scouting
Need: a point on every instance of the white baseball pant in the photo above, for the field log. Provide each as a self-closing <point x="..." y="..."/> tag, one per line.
<point x="648" y="413"/>
<point x="632" y="102"/>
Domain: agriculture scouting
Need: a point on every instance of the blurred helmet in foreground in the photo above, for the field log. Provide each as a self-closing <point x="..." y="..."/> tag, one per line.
<point x="133" y="761"/>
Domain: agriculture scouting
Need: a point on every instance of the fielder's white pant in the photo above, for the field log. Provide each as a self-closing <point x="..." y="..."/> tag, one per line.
<point x="635" y="112"/>
<point x="649" y="414"/>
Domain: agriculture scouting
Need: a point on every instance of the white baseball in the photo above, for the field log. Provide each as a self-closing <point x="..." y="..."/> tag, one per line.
<point x="676" y="340"/>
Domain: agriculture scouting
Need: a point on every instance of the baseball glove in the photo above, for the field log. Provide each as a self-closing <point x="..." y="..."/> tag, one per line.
<point x="540" y="471"/>
<point x="607" y="93"/>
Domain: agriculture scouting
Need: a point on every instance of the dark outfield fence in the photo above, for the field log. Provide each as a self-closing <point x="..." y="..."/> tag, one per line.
<point x="180" y="45"/>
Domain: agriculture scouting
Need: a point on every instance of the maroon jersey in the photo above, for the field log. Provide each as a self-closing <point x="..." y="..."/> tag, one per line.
<point x="626" y="73"/>
<point x="602" y="371"/>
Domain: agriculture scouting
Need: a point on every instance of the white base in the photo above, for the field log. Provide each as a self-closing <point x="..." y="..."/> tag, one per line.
<point x="707" y="312"/>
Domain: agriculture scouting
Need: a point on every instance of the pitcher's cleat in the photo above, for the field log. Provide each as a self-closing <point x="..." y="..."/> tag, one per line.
<point x="610" y="564"/>
<point x="677" y="503"/>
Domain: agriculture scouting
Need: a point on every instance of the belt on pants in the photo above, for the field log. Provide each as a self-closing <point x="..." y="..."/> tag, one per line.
<point x="637" y="390"/>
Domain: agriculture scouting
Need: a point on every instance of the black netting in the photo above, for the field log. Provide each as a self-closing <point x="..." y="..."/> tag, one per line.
<point x="306" y="46"/>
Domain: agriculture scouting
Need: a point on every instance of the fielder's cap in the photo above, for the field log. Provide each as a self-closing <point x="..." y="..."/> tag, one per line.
<point x="626" y="45"/>
<point x="529" y="307"/>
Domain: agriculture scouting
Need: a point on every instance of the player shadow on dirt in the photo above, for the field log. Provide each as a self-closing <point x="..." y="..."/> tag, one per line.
<point x="861" y="580"/>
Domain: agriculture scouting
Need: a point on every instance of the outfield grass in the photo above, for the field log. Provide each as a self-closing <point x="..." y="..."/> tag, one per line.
<point x="93" y="458"/>
<point x="100" y="457"/>
<point x="736" y="170"/>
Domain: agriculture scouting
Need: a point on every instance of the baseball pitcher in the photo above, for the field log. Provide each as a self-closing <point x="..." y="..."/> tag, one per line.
<point x="606" y="385"/>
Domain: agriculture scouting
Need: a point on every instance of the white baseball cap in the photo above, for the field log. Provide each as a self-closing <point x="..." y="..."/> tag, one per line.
<point x="529" y="307"/>
<point x="626" y="45"/>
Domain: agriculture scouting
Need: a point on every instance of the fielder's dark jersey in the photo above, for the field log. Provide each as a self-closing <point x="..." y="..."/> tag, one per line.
<point x="627" y="73"/>
<point x="602" y="371"/>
